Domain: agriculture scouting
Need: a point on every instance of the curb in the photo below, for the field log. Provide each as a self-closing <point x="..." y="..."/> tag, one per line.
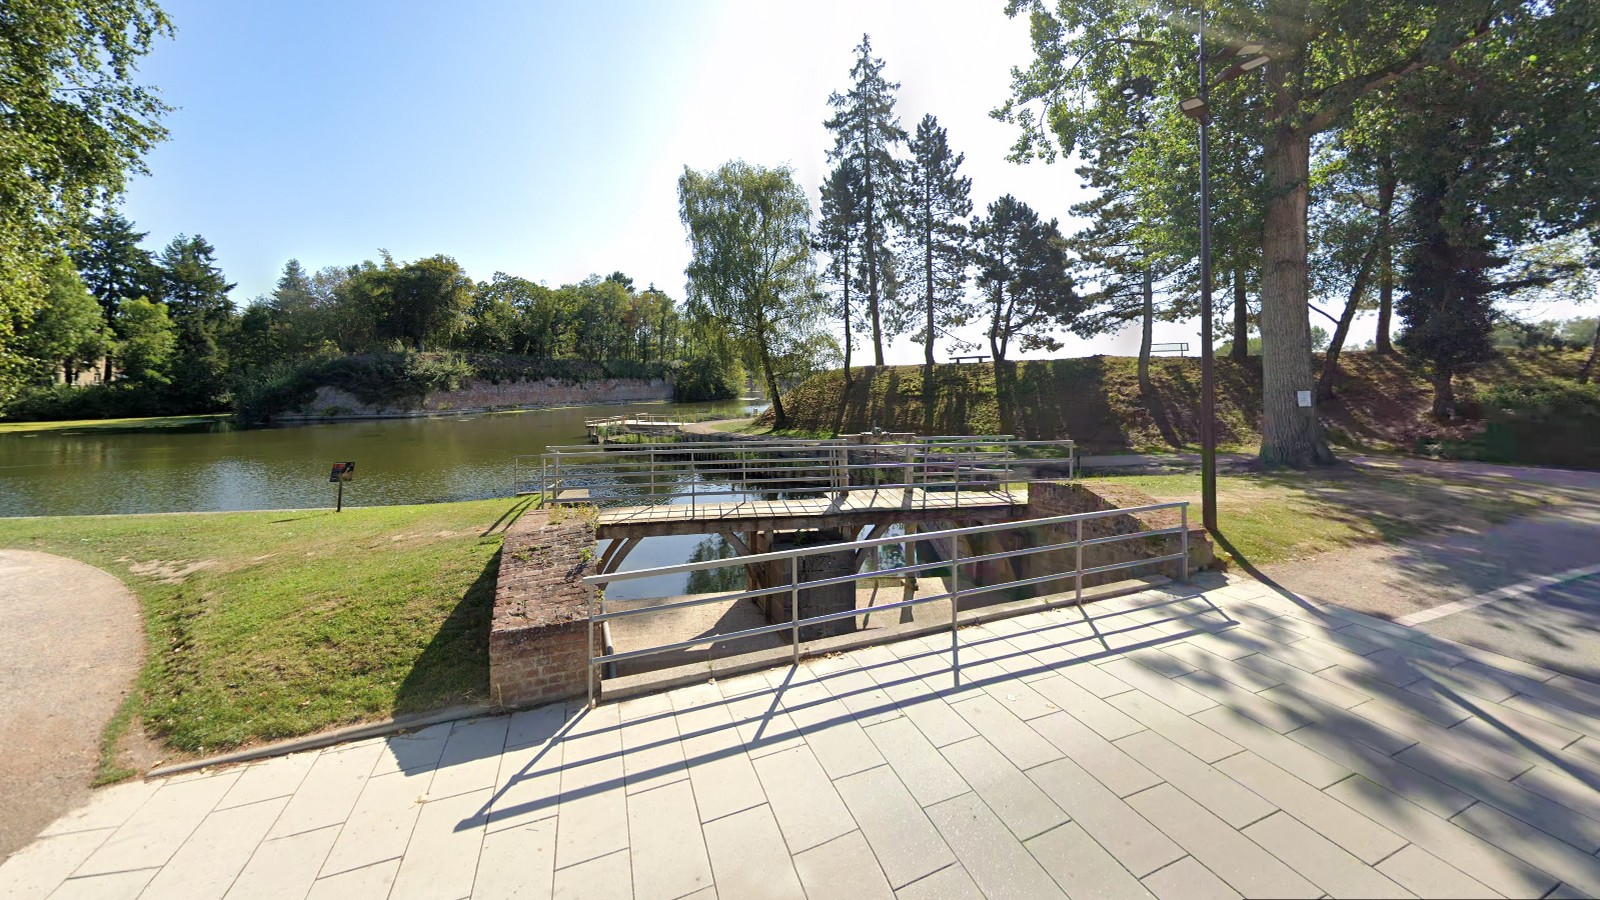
<point x="327" y="738"/>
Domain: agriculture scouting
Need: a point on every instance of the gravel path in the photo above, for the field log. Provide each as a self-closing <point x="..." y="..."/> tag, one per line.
<point x="71" y="641"/>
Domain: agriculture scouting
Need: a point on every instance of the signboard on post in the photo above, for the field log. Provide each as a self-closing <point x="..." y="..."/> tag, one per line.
<point x="342" y="472"/>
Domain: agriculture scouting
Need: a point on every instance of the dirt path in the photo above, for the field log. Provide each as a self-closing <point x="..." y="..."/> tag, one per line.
<point x="71" y="641"/>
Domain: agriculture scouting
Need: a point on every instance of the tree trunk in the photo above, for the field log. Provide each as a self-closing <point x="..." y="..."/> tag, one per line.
<point x="847" y="339"/>
<point x="1358" y="289"/>
<point x="779" y="418"/>
<point x="1147" y="317"/>
<point x="1444" y="396"/>
<point x="1290" y="433"/>
<point x="927" y="272"/>
<point x="1587" y="370"/>
<point x="995" y="350"/>
<point x="872" y="272"/>
<point x="1386" y="185"/>
<point x="1241" y="319"/>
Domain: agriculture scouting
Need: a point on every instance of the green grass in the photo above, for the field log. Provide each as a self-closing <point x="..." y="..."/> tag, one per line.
<point x="155" y="423"/>
<point x="267" y="625"/>
<point x="1269" y="518"/>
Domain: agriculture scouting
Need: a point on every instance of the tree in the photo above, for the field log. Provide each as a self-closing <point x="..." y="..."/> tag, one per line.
<point x="866" y="133"/>
<point x="838" y="235"/>
<point x="750" y="265"/>
<point x="1327" y="63"/>
<point x="427" y="301"/>
<point x="69" y="332"/>
<point x="1022" y="270"/>
<point x="113" y="265"/>
<point x="935" y="255"/>
<point x="191" y="285"/>
<point x="146" y="342"/>
<point x="74" y="124"/>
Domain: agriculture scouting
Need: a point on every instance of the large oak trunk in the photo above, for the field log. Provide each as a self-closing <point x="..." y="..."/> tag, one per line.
<point x="1290" y="433"/>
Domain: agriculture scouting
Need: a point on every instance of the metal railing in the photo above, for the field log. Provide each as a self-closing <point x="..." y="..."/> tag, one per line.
<point x="949" y="540"/>
<point x="656" y="472"/>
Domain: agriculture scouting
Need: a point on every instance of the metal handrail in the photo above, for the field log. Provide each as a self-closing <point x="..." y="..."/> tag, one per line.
<point x="954" y="562"/>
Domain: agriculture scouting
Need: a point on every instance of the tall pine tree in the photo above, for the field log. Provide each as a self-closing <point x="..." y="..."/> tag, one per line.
<point x="866" y="134"/>
<point x="196" y="296"/>
<point x="935" y="251"/>
<point x="839" y="236"/>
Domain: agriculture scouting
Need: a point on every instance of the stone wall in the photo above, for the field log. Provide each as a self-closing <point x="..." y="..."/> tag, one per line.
<point x="335" y="403"/>
<point x="1061" y="498"/>
<point x="538" y="642"/>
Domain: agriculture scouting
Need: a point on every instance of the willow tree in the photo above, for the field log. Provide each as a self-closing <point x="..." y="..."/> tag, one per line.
<point x="1323" y="59"/>
<point x="750" y="266"/>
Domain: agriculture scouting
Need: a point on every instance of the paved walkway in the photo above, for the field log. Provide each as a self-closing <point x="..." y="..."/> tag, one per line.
<point x="1180" y="744"/>
<point x="71" y="641"/>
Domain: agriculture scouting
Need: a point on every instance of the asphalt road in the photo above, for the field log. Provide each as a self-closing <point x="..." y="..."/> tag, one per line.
<point x="1557" y="627"/>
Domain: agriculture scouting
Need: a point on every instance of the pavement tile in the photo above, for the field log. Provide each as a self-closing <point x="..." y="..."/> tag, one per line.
<point x="328" y="792"/>
<point x="528" y="784"/>
<point x="1235" y="859"/>
<point x="1338" y="720"/>
<point x="843" y="867"/>
<point x="1426" y="791"/>
<point x="108" y="807"/>
<point x="1009" y="734"/>
<point x="830" y="730"/>
<point x="1477" y="858"/>
<point x="926" y="773"/>
<point x="1258" y="708"/>
<point x="748" y="856"/>
<point x="1188" y="880"/>
<point x="1225" y="668"/>
<point x="1118" y="771"/>
<point x="372" y="882"/>
<point x="1432" y="738"/>
<point x="1016" y="800"/>
<point x="1159" y="686"/>
<point x="268" y="779"/>
<point x="160" y="826"/>
<point x="991" y="855"/>
<point x="1138" y="845"/>
<point x="1082" y="867"/>
<point x="1094" y="679"/>
<point x="906" y="844"/>
<point x="1415" y="698"/>
<point x="1535" y="809"/>
<point x="808" y="808"/>
<point x="1511" y="723"/>
<point x="652" y="753"/>
<point x="1107" y="720"/>
<point x="1574" y="867"/>
<point x="380" y="826"/>
<point x="1554" y="784"/>
<point x="667" y="847"/>
<point x="1188" y="733"/>
<point x="1218" y="793"/>
<point x="411" y="753"/>
<point x="593" y="806"/>
<point x="1308" y="765"/>
<point x="110" y="886"/>
<point x="535" y="726"/>
<point x="1304" y="682"/>
<point x="442" y="857"/>
<point x="1429" y="877"/>
<point x="285" y="867"/>
<point x="471" y="757"/>
<point x="518" y="861"/>
<point x="949" y="883"/>
<point x="36" y="870"/>
<point x="1319" y="860"/>
<point x="1024" y="702"/>
<point x="607" y="877"/>
<point x="214" y="855"/>
<point x="1363" y="838"/>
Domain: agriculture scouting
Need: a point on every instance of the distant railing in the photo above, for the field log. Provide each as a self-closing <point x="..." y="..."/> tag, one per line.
<point x="640" y="474"/>
<point x="949" y="540"/>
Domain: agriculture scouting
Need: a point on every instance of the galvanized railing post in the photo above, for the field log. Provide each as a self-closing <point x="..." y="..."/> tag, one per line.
<point x="955" y="608"/>
<point x="588" y="663"/>
<point x="1079" y="564"/>
<point x="1183" y="517"/>
<point x="692" y="480"/>
<point x="794" y="603"/>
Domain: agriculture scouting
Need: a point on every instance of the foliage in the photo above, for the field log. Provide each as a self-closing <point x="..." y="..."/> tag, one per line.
<point x="866" y="133"/>
<point x="63" y="402"/>
<point x="935" y="249"/>
<point x="1550" y="422"/>
<point x="750" y="266"/>
<point x="838" y="232"/>
<point x="148" y="340"/>
<point x="707" y="376"/>
<point x="69" y="332"/>
<point x="190" y="284"/>
<point x="377" y="379"/>
<point x="75" y="123"/>
<point x="1022" y="270"/>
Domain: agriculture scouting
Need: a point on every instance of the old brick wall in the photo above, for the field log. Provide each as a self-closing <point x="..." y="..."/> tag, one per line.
<point x="333" y="403"/>
<point x="1061" y="498"/>
<point x="538" y="642"/>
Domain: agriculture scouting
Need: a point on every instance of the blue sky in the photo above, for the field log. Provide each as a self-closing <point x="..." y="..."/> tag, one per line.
<point x="540" y="139"/>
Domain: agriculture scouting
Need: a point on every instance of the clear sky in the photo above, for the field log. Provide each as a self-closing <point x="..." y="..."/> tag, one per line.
<point x="543" y="139"/>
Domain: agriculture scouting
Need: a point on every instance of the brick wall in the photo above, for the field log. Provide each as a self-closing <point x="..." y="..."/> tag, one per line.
<point x="538" y="642"/>
<point x="332" y="403"/>
<point x="1060" y="498"/>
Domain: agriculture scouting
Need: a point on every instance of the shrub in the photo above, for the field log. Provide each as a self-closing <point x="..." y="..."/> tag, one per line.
<point x="1550" y="422"/>
<point x="61" y="402"/>
<point x="706" y="377"/>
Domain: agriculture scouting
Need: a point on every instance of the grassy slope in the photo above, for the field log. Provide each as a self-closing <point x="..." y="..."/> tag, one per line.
<point x="157" y="423"/>
<point x="264" y="625"/>
<point x="1096" y="400"/>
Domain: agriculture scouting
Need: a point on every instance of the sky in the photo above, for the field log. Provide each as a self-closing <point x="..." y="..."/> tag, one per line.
<point x="545" y="139"/>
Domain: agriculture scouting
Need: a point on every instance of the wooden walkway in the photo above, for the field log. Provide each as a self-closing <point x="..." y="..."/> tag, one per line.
<point x="854" y="508"/>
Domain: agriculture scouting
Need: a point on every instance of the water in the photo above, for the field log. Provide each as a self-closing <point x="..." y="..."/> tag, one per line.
<point x="397" y="461"/>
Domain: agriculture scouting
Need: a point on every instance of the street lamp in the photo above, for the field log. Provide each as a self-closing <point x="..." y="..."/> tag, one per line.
<point x="1246" y="57"/>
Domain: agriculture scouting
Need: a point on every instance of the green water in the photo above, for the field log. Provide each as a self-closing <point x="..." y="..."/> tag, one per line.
<point x="397" y="461"/>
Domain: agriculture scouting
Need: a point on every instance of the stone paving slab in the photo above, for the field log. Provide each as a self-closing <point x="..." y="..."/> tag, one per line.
<point x="1214" y="740"/>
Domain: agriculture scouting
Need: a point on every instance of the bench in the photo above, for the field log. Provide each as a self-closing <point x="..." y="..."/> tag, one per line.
<point x="1178" y="348"/>
<point x="958" y="360"/>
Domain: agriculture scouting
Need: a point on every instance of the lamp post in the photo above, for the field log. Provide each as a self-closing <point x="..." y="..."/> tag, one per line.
<point x="1246" y="57"/>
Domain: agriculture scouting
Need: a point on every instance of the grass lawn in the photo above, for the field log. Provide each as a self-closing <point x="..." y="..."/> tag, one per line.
<point x="156" y="423"/>
<point x="1268" y="518"/>
<point x="265" y="625"/>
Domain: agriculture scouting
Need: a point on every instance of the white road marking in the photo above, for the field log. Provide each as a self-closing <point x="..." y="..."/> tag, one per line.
<point x="1515" y="590"/>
